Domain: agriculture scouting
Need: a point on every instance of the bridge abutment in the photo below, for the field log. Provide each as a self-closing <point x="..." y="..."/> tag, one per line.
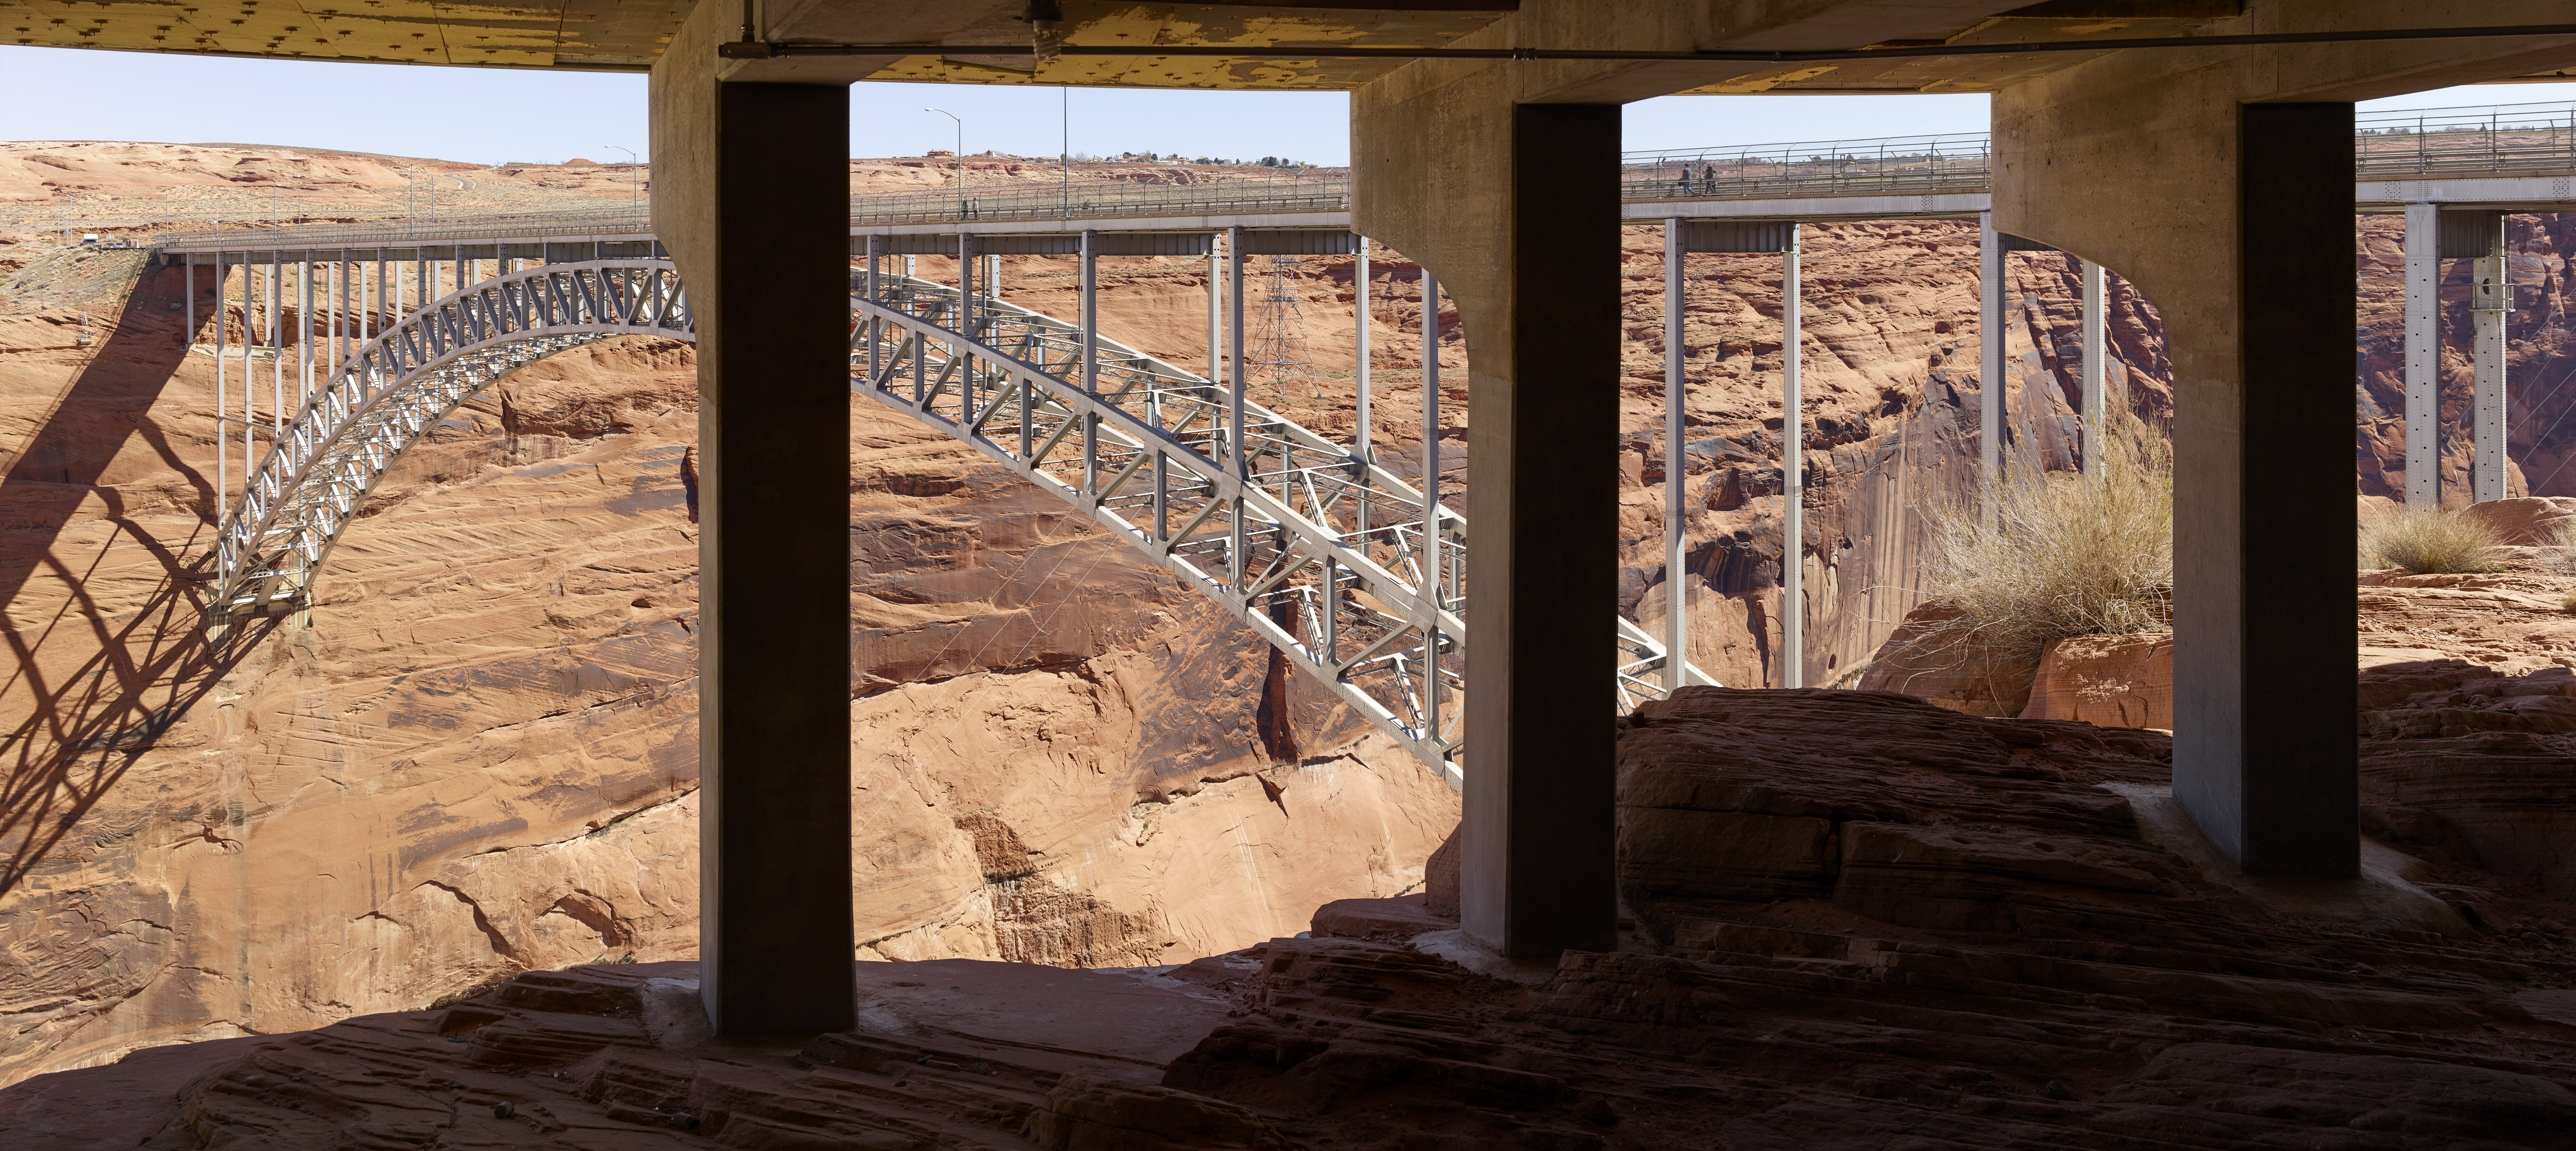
<point x="753" y="205"/>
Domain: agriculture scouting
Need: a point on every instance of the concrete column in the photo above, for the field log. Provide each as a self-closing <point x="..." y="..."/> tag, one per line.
<point x="2096" y="367"/>
<point x="1216" y="331"/>
<point x="1517" y="205"/>
<point x="2490" y="304"/>
<point x="1090" y="322"/>
<point x="1990" y="354"/>
<point x="223" y="405"/>
<point x="1238" y="452"/>
<point x="304" y="332"/>
<point x="1360" y="444"/>
<point x="754" y="209"/>
<point x="2235" y="218"/>
<point x="876" y="328"/>
<point x="1793" y="477"/>
<point x="2263" y="520"/>
<point x="276" y="347"/>
<point x="2423" y="355"/>
<point x="1676" y="585"/>
<point x="1433" y="570"/>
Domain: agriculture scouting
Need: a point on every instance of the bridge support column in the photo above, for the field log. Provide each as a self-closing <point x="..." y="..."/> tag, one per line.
<point x="1991" y="369"/>
<point x="1516" y="205"/>
<point x="2096" y="366"/>
<point x="2236" y="219"/>
<point x="2490" y="304"/>
<point x="2423" y="355"/>
<point x="753" y="204"/>
<point x="1793" y="483"/>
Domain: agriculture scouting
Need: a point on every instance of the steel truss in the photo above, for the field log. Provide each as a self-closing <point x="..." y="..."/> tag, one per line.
<point x="1324" y="555"/>
<point x="320" y="466"/>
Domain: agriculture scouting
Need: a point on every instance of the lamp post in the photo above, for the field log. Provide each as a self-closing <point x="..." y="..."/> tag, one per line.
<point x="634" y="178"/>
<point x="961" y="158"/>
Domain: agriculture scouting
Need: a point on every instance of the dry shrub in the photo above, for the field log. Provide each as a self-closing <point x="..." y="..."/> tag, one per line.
<point x="2060" y="555"/>
<point x="2558" y="549"/>
<point x="2430" y="541"/>
<point x="2567" y="602"/>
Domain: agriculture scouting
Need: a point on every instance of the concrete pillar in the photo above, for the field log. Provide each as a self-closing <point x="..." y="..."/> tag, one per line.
<point x="2235" y="218"/>
<point x="2263" y="520"/>
<point x="1793" y="477"/>
<point x="1990" y="354"/>
<point x="2423" y="356"/>
<point x="1676" y="586"/>
<point x="1089" y="320"/>
<point x="1433" y="570"/>
<point x="2096" y="366"/>
<point x="753" y="206"/>
<point x="1361" y="446"/>
<point x="1517" y="205"/>
<point x="2490" y="304"/>
<point x="1238" y="451"/>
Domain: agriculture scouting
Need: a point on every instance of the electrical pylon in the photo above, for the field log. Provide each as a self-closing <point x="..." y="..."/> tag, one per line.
<point x="1278" y="338"/>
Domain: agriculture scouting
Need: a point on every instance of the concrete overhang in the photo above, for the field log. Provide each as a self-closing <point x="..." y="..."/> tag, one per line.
<point x="630" y="35"/>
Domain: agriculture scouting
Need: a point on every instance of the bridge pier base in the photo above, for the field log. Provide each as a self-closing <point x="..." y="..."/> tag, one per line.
<point x="753" y="205"/>
<point x="2235" y="218"/>
<point x="1516" y="206"/>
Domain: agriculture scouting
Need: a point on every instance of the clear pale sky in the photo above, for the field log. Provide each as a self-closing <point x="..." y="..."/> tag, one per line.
<point x="492" y="116"/>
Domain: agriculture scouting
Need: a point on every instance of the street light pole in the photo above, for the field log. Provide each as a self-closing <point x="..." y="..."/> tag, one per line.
<point x="961" y="158"/>
<point x="634" y="179"/>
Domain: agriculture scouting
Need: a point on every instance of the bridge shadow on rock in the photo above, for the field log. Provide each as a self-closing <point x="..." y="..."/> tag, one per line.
<point x="104" y="670"/>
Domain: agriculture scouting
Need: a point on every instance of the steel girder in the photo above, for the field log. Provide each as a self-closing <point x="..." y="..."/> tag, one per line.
<point x="1320" y="552"/>
<point x="321" y="466"/>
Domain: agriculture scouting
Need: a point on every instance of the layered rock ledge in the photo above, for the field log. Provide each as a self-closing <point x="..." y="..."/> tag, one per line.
<point x="1858" y="921"/>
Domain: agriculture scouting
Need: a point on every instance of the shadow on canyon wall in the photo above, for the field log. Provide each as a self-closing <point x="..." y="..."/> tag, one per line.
<point x="116" y="680"/>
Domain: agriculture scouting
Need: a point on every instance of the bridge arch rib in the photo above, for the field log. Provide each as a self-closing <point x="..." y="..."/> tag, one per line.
<point x="322" y="465"/>
<point x="1323" y="554"/>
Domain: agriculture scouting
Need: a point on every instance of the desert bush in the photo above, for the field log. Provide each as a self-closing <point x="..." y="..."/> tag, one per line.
<point x="2567" y="602"/>
<point x="2429" y="541"/>
<point x="2040" y="557"/>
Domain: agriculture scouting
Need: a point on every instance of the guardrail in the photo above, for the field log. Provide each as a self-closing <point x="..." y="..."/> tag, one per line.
<point x="2499" y="140"/>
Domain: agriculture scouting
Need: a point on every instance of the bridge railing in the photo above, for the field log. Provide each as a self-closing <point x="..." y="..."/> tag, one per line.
<point x="1894" y="165"/>
<point x="2498" y="140"/>
<point x="2505" y="139"/>
<point x="1311" y="191"/>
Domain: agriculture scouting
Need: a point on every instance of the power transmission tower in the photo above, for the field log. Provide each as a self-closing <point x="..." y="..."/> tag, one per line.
<point x="1278" y="352"/>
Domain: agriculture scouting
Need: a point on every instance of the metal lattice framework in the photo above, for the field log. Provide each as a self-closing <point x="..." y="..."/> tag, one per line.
<point x="1324" y="554"/>
<point x="321" y="466"/>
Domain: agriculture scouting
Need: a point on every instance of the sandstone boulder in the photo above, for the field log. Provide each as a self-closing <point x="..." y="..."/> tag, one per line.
<point x="2106" y="680"/>
<point x="2529" y="521"/>
<point x="1934" y="656"/>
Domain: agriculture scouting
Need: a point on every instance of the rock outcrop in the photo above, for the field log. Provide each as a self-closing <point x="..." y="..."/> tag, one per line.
<point x="1861" y="921"/>
<point x="2109" y="680"/>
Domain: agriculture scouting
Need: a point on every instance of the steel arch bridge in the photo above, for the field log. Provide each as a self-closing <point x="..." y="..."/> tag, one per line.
<point x="1322" y="553"/>
<point x="400" y="384"/>
<point x="1331" y="558"/>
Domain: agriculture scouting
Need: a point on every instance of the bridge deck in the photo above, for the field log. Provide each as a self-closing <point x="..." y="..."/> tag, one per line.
<point x="2519" y="157"/>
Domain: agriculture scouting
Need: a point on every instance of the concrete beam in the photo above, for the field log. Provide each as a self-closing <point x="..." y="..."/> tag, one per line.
<point x="753" y="205"/>
<point x="1515" y="207"/>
